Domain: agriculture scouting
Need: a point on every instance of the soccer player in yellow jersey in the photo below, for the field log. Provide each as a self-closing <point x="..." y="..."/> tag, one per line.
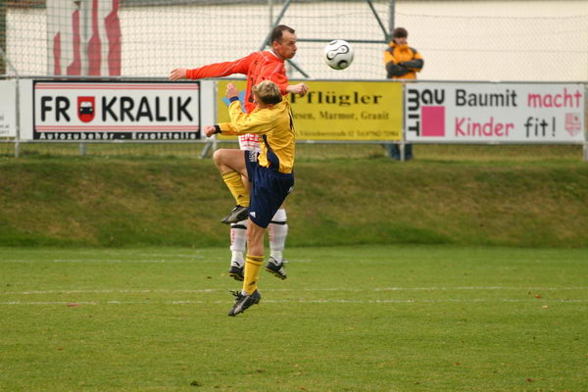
<point x="270" y="172"/>
<point x="257" y="67"/>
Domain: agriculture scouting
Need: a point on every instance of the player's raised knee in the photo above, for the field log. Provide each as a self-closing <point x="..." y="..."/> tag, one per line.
<point x="219" y="156"/>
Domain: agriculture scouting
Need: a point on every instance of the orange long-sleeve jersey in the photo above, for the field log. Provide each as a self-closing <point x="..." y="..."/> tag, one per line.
<point x="258" y="66"/>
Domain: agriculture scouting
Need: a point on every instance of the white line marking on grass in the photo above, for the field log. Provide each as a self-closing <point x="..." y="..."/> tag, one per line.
<point x="183" y="259"/>
<point x="110" y="291"/>
<point x="197" y="291"/>
<point x="305" y="301"/>
<point x="168" y="255"/>
<point x="426" y="301"/>
<point x="477" y="288"/>
<point x="118" y="261"/>
<point x="457" y="288"/>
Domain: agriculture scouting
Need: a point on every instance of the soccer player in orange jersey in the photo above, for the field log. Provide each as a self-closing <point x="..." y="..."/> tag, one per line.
<point x="257" y="66"/>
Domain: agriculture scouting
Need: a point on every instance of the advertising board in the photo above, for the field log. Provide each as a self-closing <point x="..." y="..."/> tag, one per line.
<point x="7" y="109"/>
<point x="494" y="112"/>
<point x="339" y="110"/>
<point x="116" y="110"/>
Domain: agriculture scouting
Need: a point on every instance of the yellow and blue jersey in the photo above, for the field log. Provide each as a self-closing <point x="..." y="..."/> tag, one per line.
<point x="274" y="124"/>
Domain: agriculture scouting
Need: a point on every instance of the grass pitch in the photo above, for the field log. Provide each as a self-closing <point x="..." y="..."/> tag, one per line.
<point x="378" y="318"/>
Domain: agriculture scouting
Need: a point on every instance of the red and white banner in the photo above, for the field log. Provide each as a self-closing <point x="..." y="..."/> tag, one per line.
<point x="116" y="111"/>
<point x="84" y="37"/>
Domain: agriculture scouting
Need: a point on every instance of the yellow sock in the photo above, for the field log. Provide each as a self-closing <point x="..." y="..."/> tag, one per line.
<point x="237" y="188"/>
<point x="252" y="268"/>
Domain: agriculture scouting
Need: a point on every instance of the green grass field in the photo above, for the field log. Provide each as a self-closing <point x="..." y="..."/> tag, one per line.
<point x="372" y="318"/>
<point x="104" y="202"/>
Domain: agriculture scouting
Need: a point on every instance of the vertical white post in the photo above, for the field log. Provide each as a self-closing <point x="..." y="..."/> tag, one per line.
<point x="270" y="5"/>
<point x="17" y="119"/>
<point x="391" y="14"/>
<point x="16" y="103"/>
<point x="585" y="123"/>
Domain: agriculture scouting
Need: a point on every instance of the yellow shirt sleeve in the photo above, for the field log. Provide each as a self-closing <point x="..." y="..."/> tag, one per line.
<point x="241" y="123"/>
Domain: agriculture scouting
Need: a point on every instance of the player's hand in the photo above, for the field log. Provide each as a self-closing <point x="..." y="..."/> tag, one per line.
<point x="300" y="89"/>
<point x="231" y="91"/>
<point x="209" y="130"/>
<point x="178" y="73"/>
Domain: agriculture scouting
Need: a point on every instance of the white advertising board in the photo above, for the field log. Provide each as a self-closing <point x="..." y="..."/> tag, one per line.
<point x="494" y="113"/>
<point x="7" y="108"/>
<point x="116" y="110"/>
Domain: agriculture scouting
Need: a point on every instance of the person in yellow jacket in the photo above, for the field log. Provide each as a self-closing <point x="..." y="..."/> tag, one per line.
<point x="402" y="63"/>
<point x="270" y="172"/>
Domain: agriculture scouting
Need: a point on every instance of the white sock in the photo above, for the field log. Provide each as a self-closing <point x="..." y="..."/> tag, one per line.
<point x="278" y="231"/>
<point x="238" y="242"/>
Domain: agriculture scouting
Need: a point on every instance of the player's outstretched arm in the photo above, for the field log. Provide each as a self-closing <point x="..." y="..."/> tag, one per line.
<point x="178" y="73"/>
<point x="231" y="92"/>
<point x="300" y="89"/>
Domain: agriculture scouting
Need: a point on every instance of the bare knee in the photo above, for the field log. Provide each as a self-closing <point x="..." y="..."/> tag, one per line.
<point x="229" y="159"/>
<point x="217" y="157"/>
<point x="223" y="159"/>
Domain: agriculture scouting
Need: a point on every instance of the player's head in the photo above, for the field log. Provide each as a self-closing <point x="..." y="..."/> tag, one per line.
<point x="283" y="41"/>
<point x="400" y="36"/>
<point x="267" y="93"/>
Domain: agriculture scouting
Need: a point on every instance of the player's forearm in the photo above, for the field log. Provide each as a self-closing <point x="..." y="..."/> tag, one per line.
<point x="240" y="124"/>
<point x="256" y="122"/>
<point x="224" y="128"/>
<point x="214" y="70"/>
<point x="236" y="130"/>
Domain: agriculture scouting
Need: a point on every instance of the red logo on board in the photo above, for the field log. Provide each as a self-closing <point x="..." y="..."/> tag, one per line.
<point x="86" y="108"/>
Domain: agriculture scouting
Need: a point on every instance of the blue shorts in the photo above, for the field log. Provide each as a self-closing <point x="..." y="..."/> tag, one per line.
<point x="269" y="189"/>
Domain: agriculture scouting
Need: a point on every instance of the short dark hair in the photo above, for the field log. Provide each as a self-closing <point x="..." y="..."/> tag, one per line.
<point x="400" y="32"/>
<point x="278" y="31"/>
